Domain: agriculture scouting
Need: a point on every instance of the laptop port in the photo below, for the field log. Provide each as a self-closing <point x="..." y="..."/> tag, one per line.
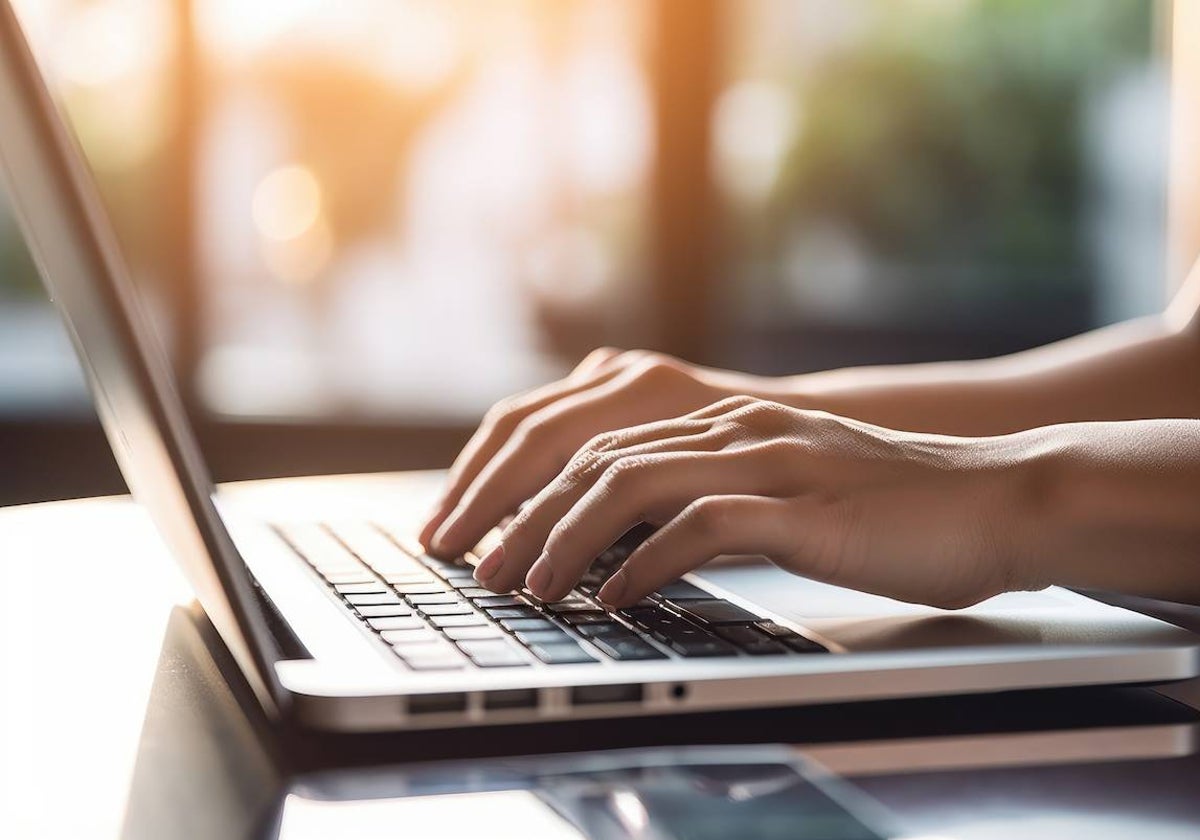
<point x="585" y="694"/>
<point x="425" y="704"/>
<point x="515" y="698"/>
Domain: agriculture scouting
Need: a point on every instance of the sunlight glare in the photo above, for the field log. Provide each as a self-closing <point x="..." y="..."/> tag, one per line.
<point x="287" y="202"/>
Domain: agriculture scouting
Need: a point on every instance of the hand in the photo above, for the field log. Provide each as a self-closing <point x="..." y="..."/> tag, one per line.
<point x="524" y="441"/>
<point x="921" y="518"/>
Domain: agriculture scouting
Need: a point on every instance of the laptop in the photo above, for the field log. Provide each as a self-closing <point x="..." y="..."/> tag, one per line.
<point x="340" y="621"/>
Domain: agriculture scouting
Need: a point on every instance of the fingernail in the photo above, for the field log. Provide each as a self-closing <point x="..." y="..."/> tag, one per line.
<point x="540" y="576"/>
<point x="490" y="564"/>
<point x="614" y="589"/>
<point x="440" y="541"/>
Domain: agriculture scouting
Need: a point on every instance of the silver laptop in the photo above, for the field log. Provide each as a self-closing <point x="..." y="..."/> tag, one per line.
<point x="341" y="622"/>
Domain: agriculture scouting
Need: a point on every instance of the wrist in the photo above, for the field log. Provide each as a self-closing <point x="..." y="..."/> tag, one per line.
<point x="1032" y="476"/>
<point x="786" y="390"/>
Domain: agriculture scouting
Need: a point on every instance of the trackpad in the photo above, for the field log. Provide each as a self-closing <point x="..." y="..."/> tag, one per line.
<point x="859" y="621"/>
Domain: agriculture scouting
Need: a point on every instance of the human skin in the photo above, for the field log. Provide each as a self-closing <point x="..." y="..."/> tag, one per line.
<point x="1076" y="464"/>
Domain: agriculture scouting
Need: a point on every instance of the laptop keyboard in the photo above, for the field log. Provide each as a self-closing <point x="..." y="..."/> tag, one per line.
<point x="436" y="617"/>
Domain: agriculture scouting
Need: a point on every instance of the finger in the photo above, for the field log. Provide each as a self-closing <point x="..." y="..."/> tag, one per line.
<point x="594" y="361"/>
<point x="723" y="407"/>
<point x="496" y="429"/>
<point x="531" y="456"/>
<point x="526" y="539"/>
<point x="655" y="430"/>
<point x="706" y="528"/>
<point x="650" y="488"/>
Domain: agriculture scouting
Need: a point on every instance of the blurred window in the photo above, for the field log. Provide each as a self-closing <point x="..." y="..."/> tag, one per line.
<point x="404" y="209"/>
<point x="106" y="60"/>
<point x="941" y="177"/>
<point x="413" y="208"/>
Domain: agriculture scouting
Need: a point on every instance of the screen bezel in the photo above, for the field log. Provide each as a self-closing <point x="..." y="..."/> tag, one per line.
<point x="74" y="246"/>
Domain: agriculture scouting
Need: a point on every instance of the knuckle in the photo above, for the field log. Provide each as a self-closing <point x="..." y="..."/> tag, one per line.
<point x="709" y="516"/>
<point x="598" y="356"/>
<point x="587" y="461"/>
<point x="533" y="429"/>
<point x="731" y="404"/>
<point x="655" y="367"/>
<point x="761" y="416"/>
<point x="505" y="412"/>
<point x="601" y="443"/>
<point x="623" y="473"/>
<point x="777" y="451"/>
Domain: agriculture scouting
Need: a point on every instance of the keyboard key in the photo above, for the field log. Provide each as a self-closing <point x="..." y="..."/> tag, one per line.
<point x="461" y="608"/>
<point x="373" y="599"/>
<point x="420" y="588"/>
<point x="526" y="624"/>
<point x="750" y="640"/>
<point x="396" y="623"/>
<point x="464" y="582"/>
<point x="802" y="644"/>
<point x="578" y="605"/>
<point x="488" y="601"/>
<point x="561" y="653"/>
<point x="607" y="630"/>
<point x="642" y="616"/>
<point x="360" y="588"/>
<point x="777" y="631"/>
<point x="479" y="592"/>
<point x="444" y="621"/>
<point x="435" y="598"/>
<point x="421" y="645"/>
<point x="664" y="624"/>
<point x="681" y="589"/>
<point x="384" y="610"/>
<point x="592" y="617"/>
<point x="789" y="637"/>
<point x="342" y="578"/>
<point x="700" y="647"/>
<point x="628" y="647"/>
<point x="492" y="654"/>
<point x="513" y="612"/>
<point x="415" y="634"/>
<point x="534" y="637"/>
<point x="442" y="567"/>
<point x="687" y="640"/>
<point x="407" y="578"/>
<point x="714" y="612"/>
<point x="437" y="664"/>
<point x="485" y="631"/>
<point x="443" y="658"/>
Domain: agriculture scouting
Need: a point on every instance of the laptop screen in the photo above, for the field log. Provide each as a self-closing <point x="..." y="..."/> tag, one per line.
<point x="75" y="247"/>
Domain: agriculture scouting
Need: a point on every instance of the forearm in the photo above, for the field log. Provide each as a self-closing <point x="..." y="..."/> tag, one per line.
<point x="1143" y="369"/>
<point x="1112" y="506"/>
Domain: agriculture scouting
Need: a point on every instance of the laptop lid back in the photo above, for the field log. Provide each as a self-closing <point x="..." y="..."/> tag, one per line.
<point x="75" y="248"/>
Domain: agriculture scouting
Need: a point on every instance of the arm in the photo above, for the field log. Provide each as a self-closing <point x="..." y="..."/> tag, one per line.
<point x="1112" y="506"/>
<point x="932" y="519"/>
<point x="1142" y="369"/>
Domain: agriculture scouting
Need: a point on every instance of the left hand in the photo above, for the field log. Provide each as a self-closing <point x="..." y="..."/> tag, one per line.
<point x="922" y="518"/>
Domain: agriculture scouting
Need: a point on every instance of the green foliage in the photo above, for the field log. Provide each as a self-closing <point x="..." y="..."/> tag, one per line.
<point x="948" y="137"/>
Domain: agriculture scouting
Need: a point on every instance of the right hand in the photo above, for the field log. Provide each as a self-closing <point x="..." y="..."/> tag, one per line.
<point x="525" y="441"/>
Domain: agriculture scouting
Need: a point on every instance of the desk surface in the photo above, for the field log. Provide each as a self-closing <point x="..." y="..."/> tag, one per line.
<point x="90" y="583"/>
